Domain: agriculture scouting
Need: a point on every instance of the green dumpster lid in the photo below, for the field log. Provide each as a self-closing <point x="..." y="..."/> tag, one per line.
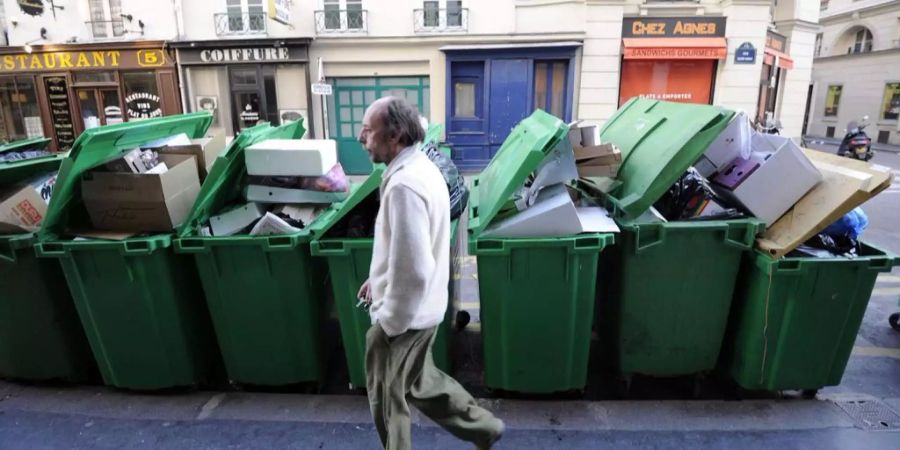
<point x="659" y="142"/>
<point x="38" y="143"/>
<point x="101" y="144"/>
<point x="521" y="153"/>
<point x="361" y="191"/>
<point x="16" y="171"/>
<point x="226" y="177"/>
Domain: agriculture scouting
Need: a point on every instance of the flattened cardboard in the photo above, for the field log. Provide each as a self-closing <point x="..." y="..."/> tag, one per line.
<point x="142" y="202"/>
<point x="206" y="150"/>
<point x="598" y="171"/>
<point x="846" y="184"/>
<point x="24" y="206"/>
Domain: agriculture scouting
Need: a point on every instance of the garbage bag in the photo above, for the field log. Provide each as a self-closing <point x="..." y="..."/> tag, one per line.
<point x="456" y="184"/>
<point x="843" y="245"/>
<point x="851" y="224"/>
<point x="23" y="155"/>
<point x="688" y="198"/>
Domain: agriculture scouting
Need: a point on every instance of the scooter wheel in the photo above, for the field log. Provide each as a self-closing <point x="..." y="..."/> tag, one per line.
<point x="894" y="320"/>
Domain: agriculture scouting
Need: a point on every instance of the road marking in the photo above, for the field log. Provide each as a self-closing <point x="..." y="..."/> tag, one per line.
<point x="470" y="305"/>
<point x="474" y="326"/>
<point x="885" y="292"/>
<point x="883" y="352"/>
<point x="210" y="406"/>
<point x="886" y="278"/>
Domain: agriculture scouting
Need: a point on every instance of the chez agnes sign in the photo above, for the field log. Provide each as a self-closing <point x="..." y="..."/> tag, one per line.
<point x="673" y="27"/>
<point x="86" y="59"/>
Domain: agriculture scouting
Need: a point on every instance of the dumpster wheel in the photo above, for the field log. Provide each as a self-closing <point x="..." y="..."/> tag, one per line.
<point x="809" y="394"/>
<point x="894" y="320"/>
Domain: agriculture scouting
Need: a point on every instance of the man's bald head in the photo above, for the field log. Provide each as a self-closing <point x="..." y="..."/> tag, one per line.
<point x="390" y="125"/>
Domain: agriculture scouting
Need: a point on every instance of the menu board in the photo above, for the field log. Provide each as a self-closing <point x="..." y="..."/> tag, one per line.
<point x="60" y="111"/>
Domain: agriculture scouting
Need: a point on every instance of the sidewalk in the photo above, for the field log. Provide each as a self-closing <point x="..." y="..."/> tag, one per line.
<point x="97" y="417"/>
<point x="819" y="140"/>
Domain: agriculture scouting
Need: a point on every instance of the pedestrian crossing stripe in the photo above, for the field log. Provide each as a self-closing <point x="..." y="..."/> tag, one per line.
<point x="884" y="352"/>
<point x="888" y="279"/>
<point x="879" y="292"/>
<point x="470" y="305"/>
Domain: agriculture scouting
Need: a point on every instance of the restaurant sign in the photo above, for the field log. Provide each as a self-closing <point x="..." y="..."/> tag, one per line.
<point x="87" y="59"/>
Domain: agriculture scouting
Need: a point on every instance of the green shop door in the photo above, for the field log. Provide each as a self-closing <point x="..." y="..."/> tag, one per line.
<point x="348" y="104"/>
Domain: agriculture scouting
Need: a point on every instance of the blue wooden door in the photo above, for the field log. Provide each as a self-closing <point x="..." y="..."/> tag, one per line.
<point x="467" y="125"/>
<point x="508" y="100"/>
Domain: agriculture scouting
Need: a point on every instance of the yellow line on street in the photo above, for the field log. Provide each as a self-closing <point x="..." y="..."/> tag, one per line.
<point x="877" y="351"/>
<point x="885" y="292"/>
<point x="475" y="326"/>
<point x="886" y="278"/>
<point x="470" y="305"/>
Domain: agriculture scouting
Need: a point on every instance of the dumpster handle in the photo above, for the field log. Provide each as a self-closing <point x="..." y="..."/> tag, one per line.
<point x="190" y="245"/>
<point x="788" y="265"/>
<point x="491" y="247"/>
<point x="882" y="264"/>
<point x="137" y="248"/>
<point x="6" y="251"/>
<point x="280" y="242"/>
<point x="51" y="248"/>
<point x="744" y="233"/>
<point x="331" y="247"/>
<point x="647" y="236"/>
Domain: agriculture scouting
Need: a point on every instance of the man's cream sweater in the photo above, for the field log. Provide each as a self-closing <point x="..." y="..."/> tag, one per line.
<point x="411" y="260"/>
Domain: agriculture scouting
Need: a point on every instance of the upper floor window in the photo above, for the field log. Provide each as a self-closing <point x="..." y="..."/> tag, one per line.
<point x="343" y="15"/>
<point x="106" y="18"/>
<point x="441" y="15"/>
<point x="245" y="16"/>
<point x="863" y="42"/>
<point x="823" y="5"/>
<point x="818" y="45"/>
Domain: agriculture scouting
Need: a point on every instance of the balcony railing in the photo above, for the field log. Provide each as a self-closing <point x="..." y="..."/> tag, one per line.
<point x="441" y="20"/>
<point x="240" y="24"/>
<point x="337" y="21"/>
<point x="106" y="29"/>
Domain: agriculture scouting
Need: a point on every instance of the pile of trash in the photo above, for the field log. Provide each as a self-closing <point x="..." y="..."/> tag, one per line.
<point x="289" y="183"/>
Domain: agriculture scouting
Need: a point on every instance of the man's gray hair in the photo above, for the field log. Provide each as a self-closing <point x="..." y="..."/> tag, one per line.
<point x="401" y="119"/>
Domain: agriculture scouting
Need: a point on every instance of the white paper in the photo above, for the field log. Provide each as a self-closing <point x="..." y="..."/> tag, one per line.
<point x="272" y="224"/>
<point x="158" y="169"/>
<point x="595" y="219"/>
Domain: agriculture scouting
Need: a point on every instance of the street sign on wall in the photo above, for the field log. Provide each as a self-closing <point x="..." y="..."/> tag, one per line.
<point x="745" y="54"/>
<point x="321" y="89"/>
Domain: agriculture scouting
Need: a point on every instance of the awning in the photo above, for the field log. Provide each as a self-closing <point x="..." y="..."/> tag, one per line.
<point x="675" y="48"/>
<point x="784" y="61"/>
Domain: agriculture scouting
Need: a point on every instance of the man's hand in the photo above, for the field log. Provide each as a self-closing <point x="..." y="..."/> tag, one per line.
<point x="365" y="293"/>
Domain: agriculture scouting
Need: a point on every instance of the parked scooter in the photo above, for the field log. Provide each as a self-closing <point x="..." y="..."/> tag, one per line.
<point x="856" y="143"/>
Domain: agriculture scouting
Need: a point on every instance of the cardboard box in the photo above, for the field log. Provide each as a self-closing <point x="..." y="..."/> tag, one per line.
<point x="206" y="150"/>
<point x="846" y="183"/>
<point x="553" y="214"/>
<point x="236" y="219"/>
<point x="24" y="206"/>
<point x="291" y="157"/>
<point x="585" y="141"/>
<point x="129" y="162"/>
<point x="142" y="202"/>
<point x="598" y="171"/>
<point x="783" y="176"/>
<point x="268" y="194"/>
<point x="732" y="143"/>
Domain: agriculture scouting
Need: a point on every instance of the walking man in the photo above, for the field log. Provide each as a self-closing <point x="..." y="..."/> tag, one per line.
<point x="407" y="288"/>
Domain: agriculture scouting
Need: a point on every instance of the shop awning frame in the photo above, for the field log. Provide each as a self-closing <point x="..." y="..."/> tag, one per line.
<point x="675" y="48"/>
<point x="784" y="60"/>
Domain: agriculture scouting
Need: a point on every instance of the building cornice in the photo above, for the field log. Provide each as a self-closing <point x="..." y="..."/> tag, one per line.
<point x="799" y="24"/>
<point x="838" y="17"/>
<point x="888" y="51"/>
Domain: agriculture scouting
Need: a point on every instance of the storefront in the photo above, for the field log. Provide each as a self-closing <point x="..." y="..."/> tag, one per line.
<point x="775" y="63"/>
<point x="246" y="81"/>
<point x="58" y="91"/>
<point x="671" y="58"/>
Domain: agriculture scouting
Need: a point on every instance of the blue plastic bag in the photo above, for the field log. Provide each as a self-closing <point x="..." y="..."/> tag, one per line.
<point x="852" y="224"/>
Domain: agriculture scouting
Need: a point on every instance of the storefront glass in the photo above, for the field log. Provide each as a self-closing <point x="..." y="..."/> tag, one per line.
<point x="141" y="95"/>
<point x="20" y="116"/>
<point x="684" y="81"/>
<point x="832" y="100"/>
<point x="890" y="106"/>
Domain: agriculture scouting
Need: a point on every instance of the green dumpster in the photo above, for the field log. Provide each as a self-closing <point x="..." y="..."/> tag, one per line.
<point x="264" y="293"/>
<point x="38" y="143"/>
<point x="140" y="304"/>
<point x="348" y="264"/>
<point x="795" y="319"/>
<point x="667" y="287"/>
<point x="537" y="294"/>
<point x="40" y="335"/>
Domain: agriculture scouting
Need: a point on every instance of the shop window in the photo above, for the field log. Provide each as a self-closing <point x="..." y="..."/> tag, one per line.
<point x="246" y="15"/>
<point x="890" y="106"/>
<point x="550" y="86"/>
<point x="95" y="77"/>
<point x="141" y="95"/>
<point x="829" y="132"/>
<point x="20" y="116"/>
<point x="684" y="81"/>
<point x="884" y="136"/>
<point x="832" y="100"/>
<point x="106" y="18"/>
<point x="862" y="42"/>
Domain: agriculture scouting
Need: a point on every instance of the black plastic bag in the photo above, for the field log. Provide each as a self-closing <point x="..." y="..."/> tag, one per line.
<point x="456" y="184"/>
<point x="687" y="198"/>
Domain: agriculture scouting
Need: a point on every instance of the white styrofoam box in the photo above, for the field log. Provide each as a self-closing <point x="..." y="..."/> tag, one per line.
<point x="733" y="142"/>
<point x="291" y="157"/>
<point x="784" y="176"/>
<point x="235" y="220"/>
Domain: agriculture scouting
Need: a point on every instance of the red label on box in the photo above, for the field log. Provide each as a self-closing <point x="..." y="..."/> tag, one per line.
<point x="29" y="215"/>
